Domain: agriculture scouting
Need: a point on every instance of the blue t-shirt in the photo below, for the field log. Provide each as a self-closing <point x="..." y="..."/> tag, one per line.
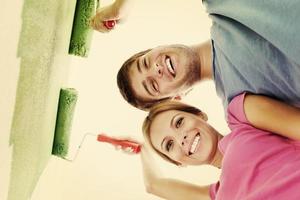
<point x="256" y="48"/>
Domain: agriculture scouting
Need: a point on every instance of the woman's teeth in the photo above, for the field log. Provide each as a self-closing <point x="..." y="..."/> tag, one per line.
<point x="195" y="144"/>
<point x="170" y="67"/>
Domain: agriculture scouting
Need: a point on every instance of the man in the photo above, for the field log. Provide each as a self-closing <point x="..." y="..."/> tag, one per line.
<point x="166" y="71"/>
<point x="254" y="48"/>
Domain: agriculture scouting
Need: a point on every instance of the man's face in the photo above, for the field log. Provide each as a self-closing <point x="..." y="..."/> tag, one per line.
<point x="165" y="71"/>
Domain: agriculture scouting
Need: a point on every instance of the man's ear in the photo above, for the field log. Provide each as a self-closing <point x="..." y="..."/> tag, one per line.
<point x="181" y="165"/>
<point x="182" y="94"/>
<point x="177" y="97"/>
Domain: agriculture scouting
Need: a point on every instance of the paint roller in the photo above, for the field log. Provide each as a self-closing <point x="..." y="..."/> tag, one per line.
<point x="82" y="33"/>
<point x="66" y="107"/>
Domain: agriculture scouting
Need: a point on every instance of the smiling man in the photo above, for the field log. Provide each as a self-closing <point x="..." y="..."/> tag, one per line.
<point x="254" y="47"/>
<point x="165" y="71"/>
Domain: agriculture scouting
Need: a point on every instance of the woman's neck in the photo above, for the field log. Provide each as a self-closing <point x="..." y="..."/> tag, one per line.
<point x="218" y="157"/>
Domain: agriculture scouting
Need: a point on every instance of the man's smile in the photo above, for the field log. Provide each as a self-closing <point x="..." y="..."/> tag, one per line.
<point x="170" y="66"/>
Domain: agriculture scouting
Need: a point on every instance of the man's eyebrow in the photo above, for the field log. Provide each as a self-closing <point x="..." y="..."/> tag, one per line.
<point x="146" y="88"/>
<point x="138" y="65"/>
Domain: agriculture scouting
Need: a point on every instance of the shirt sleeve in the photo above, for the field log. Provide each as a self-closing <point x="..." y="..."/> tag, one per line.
<point x="235" y="112"/>
<point x="213" y="189"/>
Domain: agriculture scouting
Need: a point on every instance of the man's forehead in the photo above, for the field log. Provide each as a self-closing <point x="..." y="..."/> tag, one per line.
<point x="134" y="62"/>
<point x="136" y="79"/>
<point x="134" y="68"/>
<point x="139" y="82"/>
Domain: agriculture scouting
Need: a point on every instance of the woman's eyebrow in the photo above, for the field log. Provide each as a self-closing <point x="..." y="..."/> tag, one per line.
<point x="173" y="119"/>
<point x="161" y="145"/>
<point x="171" y="123"/>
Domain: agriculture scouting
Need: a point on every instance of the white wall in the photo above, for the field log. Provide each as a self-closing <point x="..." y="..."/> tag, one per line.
<point x="99" y="171"/>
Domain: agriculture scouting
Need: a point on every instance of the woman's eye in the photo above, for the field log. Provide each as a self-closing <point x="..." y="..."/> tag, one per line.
<point x="179" y="122"/>
<point x="169" y="145"/>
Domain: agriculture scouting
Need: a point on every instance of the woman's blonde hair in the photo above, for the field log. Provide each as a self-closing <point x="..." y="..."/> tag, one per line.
<point x="160" y="108"/>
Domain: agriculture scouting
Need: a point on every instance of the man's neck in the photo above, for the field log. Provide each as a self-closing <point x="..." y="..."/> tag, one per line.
<point x="203" y="51"/>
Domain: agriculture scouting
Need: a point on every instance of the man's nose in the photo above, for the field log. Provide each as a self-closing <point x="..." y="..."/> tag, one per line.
<point x="155" y="71"/>
<point x="158" y="70"/>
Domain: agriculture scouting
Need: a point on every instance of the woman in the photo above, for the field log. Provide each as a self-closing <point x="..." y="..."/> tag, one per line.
<point x="259" y="159"/>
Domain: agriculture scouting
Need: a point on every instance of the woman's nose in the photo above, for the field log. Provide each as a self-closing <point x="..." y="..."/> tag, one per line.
<point x="185" y="144"/>
<point x="184" y="141"/>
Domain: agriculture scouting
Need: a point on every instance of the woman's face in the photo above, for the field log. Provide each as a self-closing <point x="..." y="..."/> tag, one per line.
<point x="184" y="137"/>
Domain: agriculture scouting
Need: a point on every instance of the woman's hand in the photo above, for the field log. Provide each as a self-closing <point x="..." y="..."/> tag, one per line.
<point x="150" y="170"/>
<point x="124" y="143"/>
<point x="168" y="188"/>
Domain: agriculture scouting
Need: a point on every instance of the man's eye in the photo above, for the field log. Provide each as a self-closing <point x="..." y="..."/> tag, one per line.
<point x="179" y="122"/>
<point x="154" y="86"/>
<point x="169" y="145"/>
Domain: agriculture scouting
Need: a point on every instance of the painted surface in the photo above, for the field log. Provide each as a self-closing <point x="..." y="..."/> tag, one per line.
<point x="33" y="70"/>
<point x="44" y="68"/>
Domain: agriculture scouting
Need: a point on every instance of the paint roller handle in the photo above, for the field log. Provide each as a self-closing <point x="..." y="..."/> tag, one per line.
<point x="110" y="24"/>
<point x="136" y="147"/>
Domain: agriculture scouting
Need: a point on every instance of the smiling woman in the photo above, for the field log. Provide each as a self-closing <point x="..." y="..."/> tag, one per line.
<point x="177" y="132"/>
<point x="248" y="157"/>
<point x="186" y="138"/>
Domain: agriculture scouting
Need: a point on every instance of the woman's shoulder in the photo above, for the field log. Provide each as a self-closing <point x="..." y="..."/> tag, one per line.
<point x="235" y="110"/>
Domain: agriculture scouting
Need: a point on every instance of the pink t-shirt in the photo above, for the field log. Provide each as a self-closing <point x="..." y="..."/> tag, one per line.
<point x="257" y="165"/>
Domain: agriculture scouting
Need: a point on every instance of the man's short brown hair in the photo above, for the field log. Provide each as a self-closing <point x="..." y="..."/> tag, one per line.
<point x="125" y="87"/>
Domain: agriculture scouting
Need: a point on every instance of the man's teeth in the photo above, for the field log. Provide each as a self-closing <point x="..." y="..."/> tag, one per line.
<point x="170" y="67"/>
<point x="195" y="143"/>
